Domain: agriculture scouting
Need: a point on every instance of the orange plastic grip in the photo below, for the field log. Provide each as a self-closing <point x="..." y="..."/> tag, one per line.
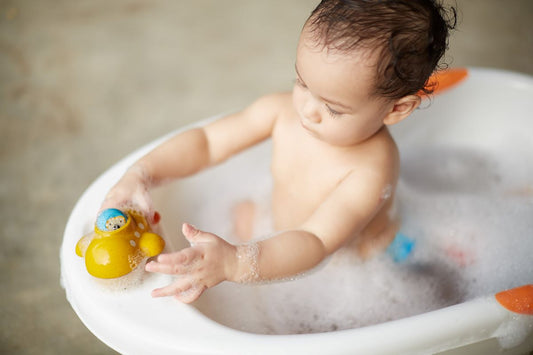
<point x="518" y="300"/>
<point x="445" y="79"/>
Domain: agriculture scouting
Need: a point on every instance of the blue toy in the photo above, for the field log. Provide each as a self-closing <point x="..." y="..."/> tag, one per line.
<point x="111" y="219"/>
<point x="401" y="247"/>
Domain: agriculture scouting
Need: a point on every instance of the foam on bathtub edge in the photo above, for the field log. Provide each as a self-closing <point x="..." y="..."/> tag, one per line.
<point x="519" y="327"/>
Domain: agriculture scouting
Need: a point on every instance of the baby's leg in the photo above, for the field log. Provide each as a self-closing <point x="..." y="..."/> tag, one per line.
<point x="244" y="219"/>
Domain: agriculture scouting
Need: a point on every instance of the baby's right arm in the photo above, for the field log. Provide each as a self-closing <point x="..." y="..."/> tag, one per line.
<point x="193" y="150"/>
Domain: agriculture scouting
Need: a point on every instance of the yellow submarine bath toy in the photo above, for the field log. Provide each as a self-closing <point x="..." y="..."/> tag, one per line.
<point x="121" y="240"/>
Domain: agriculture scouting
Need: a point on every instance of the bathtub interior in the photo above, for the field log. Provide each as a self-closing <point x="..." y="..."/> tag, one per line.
<point x="465" y="196"/>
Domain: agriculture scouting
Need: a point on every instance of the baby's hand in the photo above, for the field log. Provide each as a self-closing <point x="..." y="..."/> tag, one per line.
<point x="209" y="261"/>
<point x="131" y="192"/>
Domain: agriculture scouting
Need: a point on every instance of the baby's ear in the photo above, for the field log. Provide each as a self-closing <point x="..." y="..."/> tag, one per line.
<point x="401" y="109"/>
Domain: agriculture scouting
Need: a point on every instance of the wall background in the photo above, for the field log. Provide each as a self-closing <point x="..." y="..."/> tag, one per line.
<point x="83" y="83"/>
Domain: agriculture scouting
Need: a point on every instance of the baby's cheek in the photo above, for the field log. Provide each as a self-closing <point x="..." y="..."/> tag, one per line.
<point x="297" y="99"/>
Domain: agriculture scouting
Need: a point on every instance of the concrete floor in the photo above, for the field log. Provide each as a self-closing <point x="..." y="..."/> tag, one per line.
<point x="82" y="83"/>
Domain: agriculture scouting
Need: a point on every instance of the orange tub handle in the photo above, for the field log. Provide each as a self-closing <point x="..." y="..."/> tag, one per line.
<point x="445" y="79"/>
<point x="518" y="300"/>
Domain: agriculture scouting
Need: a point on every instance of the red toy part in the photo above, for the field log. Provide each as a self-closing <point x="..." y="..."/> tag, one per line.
<point x="518" y="300"/>
<point x="461" y="257"/>
<point x="445" y="79"/>
<point x="157" y="217"/>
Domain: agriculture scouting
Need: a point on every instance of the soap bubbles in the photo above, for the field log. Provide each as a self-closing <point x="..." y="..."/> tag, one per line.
<point x="470" y="240"/>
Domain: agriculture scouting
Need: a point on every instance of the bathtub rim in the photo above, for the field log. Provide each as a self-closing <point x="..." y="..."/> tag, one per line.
<point x="342" y="341"/>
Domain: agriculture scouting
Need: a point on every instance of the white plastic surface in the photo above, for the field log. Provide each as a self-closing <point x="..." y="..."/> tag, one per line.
<point x="131" y="322"/>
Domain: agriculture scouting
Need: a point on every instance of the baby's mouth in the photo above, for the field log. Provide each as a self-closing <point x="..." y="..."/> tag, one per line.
<point x="304" y="125"/>
<point x="308" y="129"/>
<point x="303" y="121"/>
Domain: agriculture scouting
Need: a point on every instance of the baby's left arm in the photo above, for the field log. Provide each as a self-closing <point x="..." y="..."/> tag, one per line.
<point x="211" y="260"/>
<point x="343" y="214"/>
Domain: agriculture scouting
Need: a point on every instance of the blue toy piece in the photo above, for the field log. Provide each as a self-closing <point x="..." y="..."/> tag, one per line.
<point x="111" y="219"/>
<point x="401" y="247"/>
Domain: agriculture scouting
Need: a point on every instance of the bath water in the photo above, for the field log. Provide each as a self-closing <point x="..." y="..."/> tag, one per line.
<point x="468" y="212"/>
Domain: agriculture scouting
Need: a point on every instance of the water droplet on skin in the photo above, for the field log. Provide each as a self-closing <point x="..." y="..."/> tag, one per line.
<point x="386" y="193"/>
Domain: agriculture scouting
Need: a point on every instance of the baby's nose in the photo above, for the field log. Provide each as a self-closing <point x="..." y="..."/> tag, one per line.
<point x="311" y="111"/>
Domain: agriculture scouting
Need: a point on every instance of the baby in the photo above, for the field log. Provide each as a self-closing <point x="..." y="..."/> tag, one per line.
<point x="360" y="66"/>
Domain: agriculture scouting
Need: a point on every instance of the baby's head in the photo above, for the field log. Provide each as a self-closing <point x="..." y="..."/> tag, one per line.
<point x="409" y="37"/>
<point x="361" y="63"/>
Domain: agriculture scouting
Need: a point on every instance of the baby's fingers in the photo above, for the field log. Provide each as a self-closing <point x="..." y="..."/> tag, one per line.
<point x="191" y="294"/>
<point x="174" y="263"/>
<point x="174" y="289"/>
<point x="195" y="236"/>
<point x="182" y="290"/>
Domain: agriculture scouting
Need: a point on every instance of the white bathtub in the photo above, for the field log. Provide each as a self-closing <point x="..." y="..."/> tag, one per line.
<point x="131" y="322"/>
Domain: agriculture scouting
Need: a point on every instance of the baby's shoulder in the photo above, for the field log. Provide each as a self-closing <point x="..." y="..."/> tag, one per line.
<point x="269" y="107"/>
<point x="274" y="101"/>
<point x="379" y="152"/>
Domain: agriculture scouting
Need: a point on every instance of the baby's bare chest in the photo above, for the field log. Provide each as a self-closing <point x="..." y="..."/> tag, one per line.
<point x="303" y="177"/>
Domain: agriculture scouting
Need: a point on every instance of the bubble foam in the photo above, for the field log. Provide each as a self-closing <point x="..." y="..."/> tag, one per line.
<point x="248" y="255"/>
<point x="471" y="241"/>
<point x="129" y="281"/>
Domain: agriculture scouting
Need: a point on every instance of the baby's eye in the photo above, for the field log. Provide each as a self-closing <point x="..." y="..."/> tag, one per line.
<point x="332" y="112"/>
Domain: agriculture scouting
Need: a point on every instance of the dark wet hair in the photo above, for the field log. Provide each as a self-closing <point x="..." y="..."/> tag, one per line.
<point x="410" y="35"/>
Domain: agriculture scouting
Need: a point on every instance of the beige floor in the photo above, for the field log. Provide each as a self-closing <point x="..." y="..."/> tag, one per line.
<point x="82" y="83"/>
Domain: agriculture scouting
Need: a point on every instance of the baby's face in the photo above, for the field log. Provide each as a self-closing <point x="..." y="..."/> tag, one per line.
<point x="332" y="94"/>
